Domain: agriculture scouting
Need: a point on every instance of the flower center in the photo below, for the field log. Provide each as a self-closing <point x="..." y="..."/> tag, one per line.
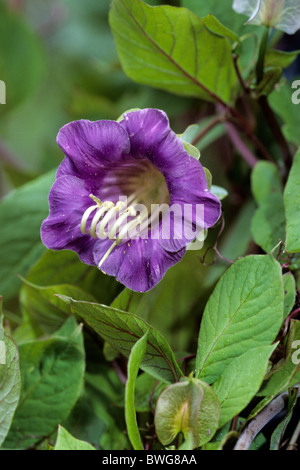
<point x="139" y="185"/>
<point x="271" y="11"/>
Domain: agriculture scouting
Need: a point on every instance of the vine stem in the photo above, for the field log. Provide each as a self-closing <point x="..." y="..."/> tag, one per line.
<point x="293" y="442"/>
<point x="213" y="123"/>
<point x="225" y="117"/>
<point x="236" y="118"/>
<point x="239" y="144"/>
<point x="255" y="140"/>
<point x="262" y="419"/>
<point x="215" y="246"/>
<point x="261" y="56"/>
<point x="238" y="74"/>
<point x="265" y="107"/>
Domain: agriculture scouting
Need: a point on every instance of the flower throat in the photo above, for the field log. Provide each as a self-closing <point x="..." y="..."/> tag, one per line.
<point x="140" y="185"/>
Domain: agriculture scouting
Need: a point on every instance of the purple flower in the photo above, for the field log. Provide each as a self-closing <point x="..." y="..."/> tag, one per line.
<point x="112" y="176"/>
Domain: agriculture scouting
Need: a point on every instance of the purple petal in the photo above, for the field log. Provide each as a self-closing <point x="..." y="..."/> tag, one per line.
<point x="189" y="221"/>
<point x="138" y="264"/>
<point x="151" y="137"/>
<point x="67" y="168"/>
<point x="91" y="146"/>
<point x="97" y="182"/>
<point x="68" y="200"/>
<point x="192" y="208"/>
<point x="190" y="185"/>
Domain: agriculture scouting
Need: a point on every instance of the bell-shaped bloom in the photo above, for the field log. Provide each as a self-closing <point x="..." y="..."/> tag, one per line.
<point x="279" y="14"/>
<point x="128" y="198"/>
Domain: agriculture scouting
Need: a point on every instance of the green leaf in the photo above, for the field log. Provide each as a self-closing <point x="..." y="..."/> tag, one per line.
<point x="191" y="150"/>
<point x="208" y="177"/>
<point x="268" y="223"/>
<point x="283" y="59"/>
<point x="98" y="415"/>
<point x="135" y="359"/>
<point x="122" y="330"/>
<point x="190" y="133"/>
<point x="52" y="377"/>
<point x="57" y="267"/>
<point x="65" y="267"/>
<point x="43" y="309"/>
<point x="190" y="407"/>
<point x="265" y="178"/>
<point x="209" y="138"/>
<point x="9" y="380"/>
<point x="244" y="311"/>
<point x="289" y="293"/>
<point x="258" y="442"/>
<point x="21" y="215"/>
<point x="292" y="207"/>
<point x="170" y="48"/>
<point x="147" y="390"/>
<point x="281" y="101"/>
<point x="287" y="372"/>
<point x="218" y="191"/>
<point x="279" y="431"/>
<point x="249" y="35"/>
<point x="221" y="10"/>
<point x="241" y="380"/>
<point x="65" y="441"/>
<point x="270" y="78"/>
<point x="179" y="320"/>
<point x="215" y="26"/>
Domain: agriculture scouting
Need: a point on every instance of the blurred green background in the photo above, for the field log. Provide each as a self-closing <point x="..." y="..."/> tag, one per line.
<point x="59" y="63"/>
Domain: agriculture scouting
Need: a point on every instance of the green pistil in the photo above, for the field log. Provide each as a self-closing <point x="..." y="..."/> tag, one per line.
<point x="96" y="199"/>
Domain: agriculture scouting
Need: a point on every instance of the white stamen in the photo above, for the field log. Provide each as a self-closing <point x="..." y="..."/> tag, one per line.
<point x="132" y="224"/>
<point x="107" y="254"/>
<point x="129" y="212"/>
<point x="101" y="228"/>
<point x="105" y="206"/>
<point x="85" y="218"/>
